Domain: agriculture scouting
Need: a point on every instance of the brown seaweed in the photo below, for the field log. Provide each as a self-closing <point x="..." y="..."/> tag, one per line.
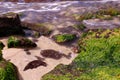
<point x="35" y="64"/>
<point x="49" y="53"/>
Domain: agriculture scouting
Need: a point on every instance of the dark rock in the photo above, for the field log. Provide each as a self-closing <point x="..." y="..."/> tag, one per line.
<point x="27" y="43"/>
<point x="10" y="24"/>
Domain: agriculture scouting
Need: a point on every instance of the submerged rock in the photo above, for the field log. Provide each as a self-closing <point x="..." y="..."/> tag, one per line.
<point x="40" y="28"/>
<point x="10" y="24"/>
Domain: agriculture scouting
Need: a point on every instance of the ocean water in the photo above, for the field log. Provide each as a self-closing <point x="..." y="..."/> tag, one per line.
<point x="21" y="6"/>
<point x="40" y="8"/>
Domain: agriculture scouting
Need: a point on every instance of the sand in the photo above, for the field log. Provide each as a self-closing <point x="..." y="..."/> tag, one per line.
<point x="21" y="59"/>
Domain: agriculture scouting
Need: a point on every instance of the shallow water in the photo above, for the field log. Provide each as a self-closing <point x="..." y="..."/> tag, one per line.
<point x="37" y="7"/>
<point x="41" y="7"/>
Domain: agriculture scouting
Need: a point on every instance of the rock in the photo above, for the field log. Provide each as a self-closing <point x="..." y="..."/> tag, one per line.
<point x="101" y="24"/>
<point x="10" y="24"/>
<point x="20" y="43"/>
<point x="37" y="27"/>
<point x="62" y="38"/>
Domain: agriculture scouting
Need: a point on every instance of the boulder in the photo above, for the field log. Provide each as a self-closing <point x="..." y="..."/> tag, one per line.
<point x="10" y="24"/>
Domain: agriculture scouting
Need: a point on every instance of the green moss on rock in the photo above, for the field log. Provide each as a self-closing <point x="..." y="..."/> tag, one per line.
<point x="61" y="38"/>
<point x="20" y="43"/>
<point x="13" y="42"/>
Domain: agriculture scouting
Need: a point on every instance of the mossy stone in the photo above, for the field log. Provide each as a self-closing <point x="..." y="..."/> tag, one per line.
<point x="15" y="42"/>
<point x="60" y="38"/>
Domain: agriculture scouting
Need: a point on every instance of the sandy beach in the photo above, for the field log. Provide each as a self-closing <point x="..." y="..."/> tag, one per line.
<point x="21" y="59"/>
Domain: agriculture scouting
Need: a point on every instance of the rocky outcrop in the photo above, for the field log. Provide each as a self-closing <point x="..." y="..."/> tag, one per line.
<point x="10" y="24"/>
